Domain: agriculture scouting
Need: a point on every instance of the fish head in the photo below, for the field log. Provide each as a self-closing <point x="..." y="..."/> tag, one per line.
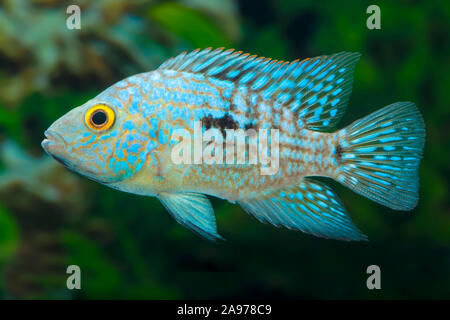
<point x="102" y="139"/>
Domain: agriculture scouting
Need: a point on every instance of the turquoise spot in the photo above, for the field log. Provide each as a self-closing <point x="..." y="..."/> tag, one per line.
<point x="318" y="87"/>
<point x="134" y="108"/>
<point x="303" y="207"/>
<point x="123" y="165"/>
<point x="323" y="74"/>
<point x="390" y="139"/>
<point x="367" y="149"/>
<point x="278" y="73"/>
<point x="128" y="125"/>
<point x="316" y="187"/>
<point x="132" y="159"/>
<point x="247" y="77"/>
<point x="311" y="66"/>
<point x="323" y="101"/>
<point x="318" y="111"/>
<point x="259" y="83"/>
<point x="334" y="102"/>
<point x="151" y="145"/>
<point x="233" y="73"/>
<point x="162" y="137"/>
<point x="333" y="112"/>
<point x="134" y="148"/>
<point x="312" y="100"/>
<point x="322" y="204"/>
<point x="303" y="82"/>
<point x="336" y="91"/>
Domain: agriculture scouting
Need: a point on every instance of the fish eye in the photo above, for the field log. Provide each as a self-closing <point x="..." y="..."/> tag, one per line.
<point x="100" y="117"/>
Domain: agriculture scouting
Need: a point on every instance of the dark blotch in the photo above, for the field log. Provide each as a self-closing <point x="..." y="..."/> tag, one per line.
<point x="226" y="122"/>
<point x="249" y="126"/>
<point x="339" y="152"/>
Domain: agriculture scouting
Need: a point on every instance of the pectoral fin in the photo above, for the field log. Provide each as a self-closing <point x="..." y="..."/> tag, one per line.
<point x="192" y="210"/>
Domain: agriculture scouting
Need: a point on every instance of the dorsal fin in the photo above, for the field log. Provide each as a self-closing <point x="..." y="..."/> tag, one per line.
<point x="317" y="88"/>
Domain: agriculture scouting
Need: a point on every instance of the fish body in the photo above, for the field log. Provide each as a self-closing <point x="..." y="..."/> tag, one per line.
<point x="126" y="138"/>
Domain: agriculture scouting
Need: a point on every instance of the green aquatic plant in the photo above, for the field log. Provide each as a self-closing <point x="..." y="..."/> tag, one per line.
<point x="39" y="53"/>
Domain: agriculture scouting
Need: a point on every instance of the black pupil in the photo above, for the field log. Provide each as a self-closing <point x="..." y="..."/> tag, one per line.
<point x="99" y="118"/>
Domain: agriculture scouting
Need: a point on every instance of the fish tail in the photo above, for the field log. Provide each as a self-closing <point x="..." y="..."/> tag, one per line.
<point x="380" y="155"/>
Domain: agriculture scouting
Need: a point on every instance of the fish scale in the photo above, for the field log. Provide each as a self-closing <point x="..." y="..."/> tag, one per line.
<point x="376" y="156"/>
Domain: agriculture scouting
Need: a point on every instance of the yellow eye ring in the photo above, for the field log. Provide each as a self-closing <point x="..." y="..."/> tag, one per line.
<point x="100" y="117"/>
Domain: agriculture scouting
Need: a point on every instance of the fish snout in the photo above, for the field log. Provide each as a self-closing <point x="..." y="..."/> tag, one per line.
<point x="53" y="143"/>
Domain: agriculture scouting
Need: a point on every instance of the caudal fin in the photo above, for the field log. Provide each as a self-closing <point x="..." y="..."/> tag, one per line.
<point x="381" y="154"/>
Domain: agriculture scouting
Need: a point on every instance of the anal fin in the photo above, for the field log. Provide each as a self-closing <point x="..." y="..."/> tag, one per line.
<point x="192" y="210"/>
<point x="311" y="207"/>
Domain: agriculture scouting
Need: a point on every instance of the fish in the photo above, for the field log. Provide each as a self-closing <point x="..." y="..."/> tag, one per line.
<point x="125" y="138"/>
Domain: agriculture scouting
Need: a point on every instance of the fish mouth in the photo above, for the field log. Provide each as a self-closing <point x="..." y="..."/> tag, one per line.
<point x="54" y="145"/>
<point x="53" y="142"/>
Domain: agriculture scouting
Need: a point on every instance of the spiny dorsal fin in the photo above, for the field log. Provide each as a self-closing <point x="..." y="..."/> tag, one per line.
<point x="318" y="88"/>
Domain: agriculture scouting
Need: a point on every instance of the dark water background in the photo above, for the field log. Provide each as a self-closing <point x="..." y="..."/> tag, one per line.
<point x="128" y="246"/>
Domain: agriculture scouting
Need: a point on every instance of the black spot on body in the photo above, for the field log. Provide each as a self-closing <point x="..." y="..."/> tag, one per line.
<point x="339" y="152"/>
<point x="249" y="126"/>
<point x="223" y="123"/>
<point x="207" y="122"/>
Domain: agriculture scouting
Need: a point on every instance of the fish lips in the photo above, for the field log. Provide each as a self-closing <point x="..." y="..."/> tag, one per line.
<point x="54" y="145"/>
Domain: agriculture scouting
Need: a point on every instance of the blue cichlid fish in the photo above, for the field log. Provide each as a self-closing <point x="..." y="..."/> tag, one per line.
<point x="123" y="138"/>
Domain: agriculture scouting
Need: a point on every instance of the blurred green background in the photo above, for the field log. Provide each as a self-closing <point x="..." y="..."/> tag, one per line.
<point x="128" y="246"/>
